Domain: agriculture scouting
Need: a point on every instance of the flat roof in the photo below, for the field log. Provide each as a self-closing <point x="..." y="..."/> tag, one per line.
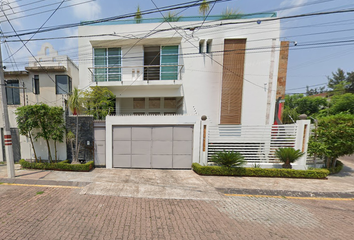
<point x="184" y="19"/>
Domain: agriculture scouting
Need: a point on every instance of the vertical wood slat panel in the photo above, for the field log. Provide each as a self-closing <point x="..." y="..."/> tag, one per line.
<point x="232" y="81"/>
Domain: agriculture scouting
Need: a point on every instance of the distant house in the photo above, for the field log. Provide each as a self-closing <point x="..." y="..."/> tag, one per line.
<point x="166" y="75"/>
<point x="49" y="81"/>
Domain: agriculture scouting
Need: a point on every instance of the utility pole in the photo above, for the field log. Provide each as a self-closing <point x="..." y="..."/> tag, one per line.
<point x="7" y="131"/>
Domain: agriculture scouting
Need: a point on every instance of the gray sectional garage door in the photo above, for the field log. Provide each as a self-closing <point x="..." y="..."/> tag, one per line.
<point x="152" y="146"/>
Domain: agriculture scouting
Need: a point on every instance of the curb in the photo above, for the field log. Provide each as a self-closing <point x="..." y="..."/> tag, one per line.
<point x="33" y="182"/>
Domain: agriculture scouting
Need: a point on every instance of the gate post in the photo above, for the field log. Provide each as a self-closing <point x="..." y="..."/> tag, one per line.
<point x="302" y="139"/>
<point x="204" y="139"/>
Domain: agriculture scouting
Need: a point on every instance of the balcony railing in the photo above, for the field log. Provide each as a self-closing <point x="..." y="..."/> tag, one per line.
<point x="136" y="73"/>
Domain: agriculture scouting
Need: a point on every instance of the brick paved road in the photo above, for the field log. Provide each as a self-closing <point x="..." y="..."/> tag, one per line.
<point x="65" y="214"/>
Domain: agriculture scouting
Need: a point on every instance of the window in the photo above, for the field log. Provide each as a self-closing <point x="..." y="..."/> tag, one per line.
<point x="169" y="63"/>
<point x="201" y="46"/>
<point x="107" y="62"/>
<point x="62" y="84"/>
<point x="35" y="84"/>
<point x="161" y="63"/>
<point x="208" y="46"/>
<point x="12" y="94"/>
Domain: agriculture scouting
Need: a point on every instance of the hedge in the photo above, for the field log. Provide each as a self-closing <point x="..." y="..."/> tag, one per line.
<point x="61" y="166"/>
<point x="337" y="168"/>
<point x="259" y="172"/>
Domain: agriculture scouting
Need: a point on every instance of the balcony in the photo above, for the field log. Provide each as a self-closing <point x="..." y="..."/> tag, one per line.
<point x="137" y="75"/>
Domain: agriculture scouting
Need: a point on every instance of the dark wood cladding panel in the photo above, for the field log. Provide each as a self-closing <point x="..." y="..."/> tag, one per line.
<point x="232" y="81"/>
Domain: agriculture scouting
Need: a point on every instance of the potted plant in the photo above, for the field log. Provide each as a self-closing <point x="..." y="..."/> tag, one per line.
<point x="288" y="155"/>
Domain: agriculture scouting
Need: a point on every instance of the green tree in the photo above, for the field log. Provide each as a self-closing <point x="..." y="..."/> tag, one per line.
<point x="204" y="7"/>
<point x="342" y="104"/>
<point x="337" y="77"/>
<point x="99" y="102"/>
<point x="138" y="15"/>
<point x="75" y="104"/>
<point x="335" y="138"/>
<point x="310" y="105"/>
<point x="27" y="122"/>
<point x="56" y="117"/>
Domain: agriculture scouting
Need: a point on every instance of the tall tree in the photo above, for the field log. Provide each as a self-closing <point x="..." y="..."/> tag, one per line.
<point x="138" y="15"/>
<point x="56" y="117"/>
<point x="172" y="17"/>
<point x="99" y="102"/>
<point x="204" y="7"/>
<point x="337" y="77"/>
<point x="75" y="106"/>
<point x="27" y="121"/>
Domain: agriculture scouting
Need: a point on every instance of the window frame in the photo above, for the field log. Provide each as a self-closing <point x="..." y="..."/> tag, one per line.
<point x="106" y="66"/>
<point x="68" y="84"/>
<point x="35" y="85"/>
<point x="17" y="84"/>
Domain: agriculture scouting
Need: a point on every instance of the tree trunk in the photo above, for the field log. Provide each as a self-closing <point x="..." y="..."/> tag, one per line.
<point x="327" y="162"/>
<point x="76" y="140"/>
<point x="34" y="150"/>
<point x="72" y="151"/>
<point x="55" y="150"/>
<point x="334" y="161"/>
<point x="49" y="153"/>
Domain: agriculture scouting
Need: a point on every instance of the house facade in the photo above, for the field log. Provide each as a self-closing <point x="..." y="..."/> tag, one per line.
<point x="49" y="81"/>
<point x="224" y="70"/>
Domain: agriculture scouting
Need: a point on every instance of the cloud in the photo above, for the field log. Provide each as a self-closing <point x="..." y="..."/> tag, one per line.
<point x="86" y="11"/>
<point x="294" y="6"/>
<point x="12" y="10"/>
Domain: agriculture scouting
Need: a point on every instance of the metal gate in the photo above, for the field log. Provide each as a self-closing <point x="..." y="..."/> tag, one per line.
<point x="152" y="146"/>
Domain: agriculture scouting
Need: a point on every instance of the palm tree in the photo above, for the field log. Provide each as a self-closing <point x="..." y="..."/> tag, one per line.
<point x="138" y="16"/>
<point x="204" y="7"/>
<point x="172" y="17"/>
<point x="229" y="13"/>
<point x="75" y="105"/>
<point x="288" y="155"/>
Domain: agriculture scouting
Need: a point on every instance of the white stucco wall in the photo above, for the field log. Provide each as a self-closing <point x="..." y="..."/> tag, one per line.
<point x="201" y="73"/>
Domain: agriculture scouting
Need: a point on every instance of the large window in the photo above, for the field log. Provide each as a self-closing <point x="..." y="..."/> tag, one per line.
<point x="107" y="63"/>
<point x="161" y="63"/>
<point x="62" y="84"/>
<point x="35" y="84"/>
<point x="12" y="92"/>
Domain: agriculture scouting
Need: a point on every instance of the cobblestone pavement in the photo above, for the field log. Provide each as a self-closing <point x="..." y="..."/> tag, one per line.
<point x="62" y="213"/>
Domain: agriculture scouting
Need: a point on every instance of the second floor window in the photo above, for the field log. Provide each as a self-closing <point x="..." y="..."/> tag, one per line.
<point x="107" y="63"/>
<point x="35" y="84"/>
<point x="12" y="92"/>
<point x="62" y="84"/>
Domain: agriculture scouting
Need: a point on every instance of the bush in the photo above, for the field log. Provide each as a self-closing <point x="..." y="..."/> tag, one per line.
<point x="228" y="159"/>
<point x="61" y="166"/>
<point x="259" y="172"/>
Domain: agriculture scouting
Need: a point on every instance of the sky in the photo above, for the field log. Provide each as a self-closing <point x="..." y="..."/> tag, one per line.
<point x="308" y="65"/>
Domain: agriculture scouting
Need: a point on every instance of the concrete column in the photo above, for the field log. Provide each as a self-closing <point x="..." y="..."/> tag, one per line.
<point x="302" y="139"/>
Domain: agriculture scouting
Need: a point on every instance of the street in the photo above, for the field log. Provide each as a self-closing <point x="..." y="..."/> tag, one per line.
<point x="37" y="212"/>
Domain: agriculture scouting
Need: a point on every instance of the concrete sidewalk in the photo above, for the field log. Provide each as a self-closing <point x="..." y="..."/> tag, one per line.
<point x="185" y="184"/>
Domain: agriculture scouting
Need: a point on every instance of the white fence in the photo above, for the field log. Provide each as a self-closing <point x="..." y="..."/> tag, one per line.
<point x="258" y="143"/>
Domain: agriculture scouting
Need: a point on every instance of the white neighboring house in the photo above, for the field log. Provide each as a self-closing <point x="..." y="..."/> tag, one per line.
<point x="226" y="70"/>
<point x="48" y="81"/>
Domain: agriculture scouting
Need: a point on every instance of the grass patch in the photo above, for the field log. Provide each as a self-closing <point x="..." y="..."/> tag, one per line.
<point x="61" y="166"/>
<point x="40" y="192"/>
<point x="259" y="172"/>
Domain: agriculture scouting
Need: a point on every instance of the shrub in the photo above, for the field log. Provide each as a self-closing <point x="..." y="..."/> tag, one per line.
<point x="337" y="168"/>
<point x="259" y="172"/>
<point x="228" y="159"/>
<point x="288" y="155"/>
<point x="61" y="166"/>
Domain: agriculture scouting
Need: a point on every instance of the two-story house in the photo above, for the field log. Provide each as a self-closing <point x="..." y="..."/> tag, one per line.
<point x="48" y="78"/>
<point x="225" y="69"/>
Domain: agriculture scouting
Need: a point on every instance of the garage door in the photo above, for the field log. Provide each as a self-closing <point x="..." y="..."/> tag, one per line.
<point x="152" y="146"/>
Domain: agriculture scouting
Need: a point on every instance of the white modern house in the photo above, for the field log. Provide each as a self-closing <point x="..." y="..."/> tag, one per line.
<point x="48" y="78"/>
<point x="167" y="75"/>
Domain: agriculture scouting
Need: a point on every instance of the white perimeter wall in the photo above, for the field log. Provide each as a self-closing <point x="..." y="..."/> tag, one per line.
<point x="202" y="73"/>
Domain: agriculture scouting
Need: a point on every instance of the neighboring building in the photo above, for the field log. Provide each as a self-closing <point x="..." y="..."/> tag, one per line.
<point x="49" y="81"/>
